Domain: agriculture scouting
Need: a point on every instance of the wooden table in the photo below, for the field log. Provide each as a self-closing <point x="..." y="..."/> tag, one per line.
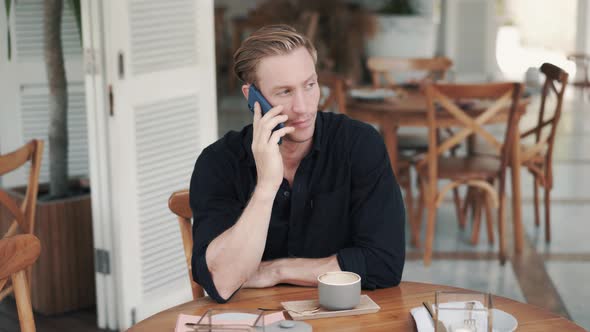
<point x="394" y="315"/>
<point x="410" y="111"/>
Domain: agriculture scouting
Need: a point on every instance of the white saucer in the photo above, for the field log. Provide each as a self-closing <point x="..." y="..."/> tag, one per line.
<point x="371" y="94"/>
<point x="503" y="321"/>
<point x="235" y="316"/>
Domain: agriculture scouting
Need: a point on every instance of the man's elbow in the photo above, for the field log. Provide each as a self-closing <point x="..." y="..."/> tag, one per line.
<point x="392" y="276"/>
<point x="223" y="289"/>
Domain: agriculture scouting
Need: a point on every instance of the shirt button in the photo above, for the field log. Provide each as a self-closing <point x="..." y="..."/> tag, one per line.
<point x="287" y="193"/>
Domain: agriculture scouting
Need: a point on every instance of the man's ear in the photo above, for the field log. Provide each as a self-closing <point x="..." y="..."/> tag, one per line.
<point x="245" y="90"/>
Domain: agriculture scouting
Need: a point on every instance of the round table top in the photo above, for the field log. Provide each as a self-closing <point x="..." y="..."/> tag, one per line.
<point x="395" y="303"/>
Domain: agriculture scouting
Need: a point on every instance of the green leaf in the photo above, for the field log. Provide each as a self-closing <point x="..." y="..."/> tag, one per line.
<point x="75" y="7"/>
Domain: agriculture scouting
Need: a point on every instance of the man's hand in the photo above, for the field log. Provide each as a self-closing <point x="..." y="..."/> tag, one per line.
<point x="267" y="275"/>
<point x="265" y="148"/>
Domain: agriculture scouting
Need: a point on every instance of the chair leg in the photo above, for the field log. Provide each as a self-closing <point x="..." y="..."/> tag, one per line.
<point x="477" y="217"/>
<point x="418" y="215"/>
<point x="467" y="202"/>
<point x="460" y="216"/>
<point x="547" y="215"/>
<point x="489" y="219"/>
<point x="409" y="201"/>
<point x="536" y="200"/>
<point x="501" y="220"/>
<point x="430" y="229"/>
<point x="23" y="302"/>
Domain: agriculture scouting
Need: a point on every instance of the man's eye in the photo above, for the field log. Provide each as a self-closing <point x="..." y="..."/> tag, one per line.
<point x="284" y="92"/>
<point x="310" y="85"/>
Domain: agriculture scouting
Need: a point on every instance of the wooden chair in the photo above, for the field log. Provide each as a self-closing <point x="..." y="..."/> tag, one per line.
<point x="17" y="255"/>
<point x="24" y="215"/>
<point x="472" y="170"/>
<point x="382" y="71"/>
<point x="582" y="62"/>
<point x="179" y="205"/>
<point x="538" y="158"/>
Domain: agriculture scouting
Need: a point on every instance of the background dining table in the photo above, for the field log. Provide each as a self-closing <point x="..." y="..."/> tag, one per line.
<point x="395" y="303"/>
<point x="409" y="108"/>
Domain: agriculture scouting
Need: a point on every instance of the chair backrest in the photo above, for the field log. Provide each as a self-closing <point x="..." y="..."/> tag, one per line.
<point x="17" y="255"/>
<point x="179" y="205"/>
<point x="556" y="80"/>
<point x="381" y="68"/>
<point x="463" y="103"/>
<point x="24" y="216"/>
<point x="336" y="97"/>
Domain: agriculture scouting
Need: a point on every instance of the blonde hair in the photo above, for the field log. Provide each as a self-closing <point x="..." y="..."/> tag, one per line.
<point x="267" y="41"/>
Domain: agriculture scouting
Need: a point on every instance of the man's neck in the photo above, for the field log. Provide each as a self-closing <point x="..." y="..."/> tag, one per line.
<point x="293" y="152"/>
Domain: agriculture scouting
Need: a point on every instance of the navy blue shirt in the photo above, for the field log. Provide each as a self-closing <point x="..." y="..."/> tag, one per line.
<point x="344" y="200"/>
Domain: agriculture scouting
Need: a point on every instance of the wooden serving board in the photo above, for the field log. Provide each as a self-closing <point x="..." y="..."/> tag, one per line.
<point x="366" y="306"/>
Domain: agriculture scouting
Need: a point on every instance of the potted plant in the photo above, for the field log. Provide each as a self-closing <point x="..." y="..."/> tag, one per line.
<point x="405" y="28"/>
<point x="63" y="277"/>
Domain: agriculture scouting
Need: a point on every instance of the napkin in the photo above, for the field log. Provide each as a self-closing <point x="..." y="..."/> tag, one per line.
<point x="424" y="322"/>
<point x="183" y="319"/>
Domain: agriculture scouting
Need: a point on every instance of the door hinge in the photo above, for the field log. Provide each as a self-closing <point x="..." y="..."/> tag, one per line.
<point x="111" y="101"/>
<point x="90" y="63"/>
<point x="103" y="262"/>
<point x="133" y="316"/>
<point x="121" y="66"/>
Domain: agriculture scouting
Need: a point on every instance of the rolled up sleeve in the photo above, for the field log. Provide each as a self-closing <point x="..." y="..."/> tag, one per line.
<point x="377" y="210"/>
<point x="215" y="209"/>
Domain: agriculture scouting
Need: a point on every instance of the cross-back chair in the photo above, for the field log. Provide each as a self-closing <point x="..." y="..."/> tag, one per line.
<point x="383" y="71"/>
<point x="538" y="158"/>
<point x="480" y="171"/>
<point x="24" y="215"/>
<point x="17" y="255"/>
<point x="179" y="205"/>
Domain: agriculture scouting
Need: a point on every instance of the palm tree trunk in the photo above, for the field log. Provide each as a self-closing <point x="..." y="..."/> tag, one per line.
<point x="58" y="99"/>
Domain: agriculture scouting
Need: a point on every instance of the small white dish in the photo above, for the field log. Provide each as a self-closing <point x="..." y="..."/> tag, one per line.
<point x="503" y="321"/>
<point x="235" y="316"/>
<point x="371" y="94"/>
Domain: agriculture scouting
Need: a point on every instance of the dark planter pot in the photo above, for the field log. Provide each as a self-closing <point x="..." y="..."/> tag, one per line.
<point x="63" y="277"/>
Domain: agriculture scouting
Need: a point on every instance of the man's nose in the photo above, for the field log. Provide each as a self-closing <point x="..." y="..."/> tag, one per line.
<point x="299" y="102"/>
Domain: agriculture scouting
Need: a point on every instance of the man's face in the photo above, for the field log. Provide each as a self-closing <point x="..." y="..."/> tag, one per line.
<point x="290" y="80"/>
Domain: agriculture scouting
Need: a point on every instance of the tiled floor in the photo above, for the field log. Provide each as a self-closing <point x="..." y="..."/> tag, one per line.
<point x="571" y="280"/>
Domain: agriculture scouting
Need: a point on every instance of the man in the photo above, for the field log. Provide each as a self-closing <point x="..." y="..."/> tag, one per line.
<point x="325" y="199"/>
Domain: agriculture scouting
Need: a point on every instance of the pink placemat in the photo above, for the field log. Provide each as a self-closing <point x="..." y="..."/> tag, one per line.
<point x="183" y="319"/>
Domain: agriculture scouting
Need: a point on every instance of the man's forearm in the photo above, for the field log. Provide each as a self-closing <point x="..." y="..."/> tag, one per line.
<point x="305" y="271"/>
<point x="295" y="271"/>
<point x="246" y="240"/>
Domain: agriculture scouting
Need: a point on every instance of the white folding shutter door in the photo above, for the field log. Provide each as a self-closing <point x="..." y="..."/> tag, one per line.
<point x="164" y="115"/>
<point x="25" y="92"/>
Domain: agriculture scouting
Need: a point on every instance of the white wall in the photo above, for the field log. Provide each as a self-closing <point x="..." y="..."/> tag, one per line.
<point x="547" y="24"/>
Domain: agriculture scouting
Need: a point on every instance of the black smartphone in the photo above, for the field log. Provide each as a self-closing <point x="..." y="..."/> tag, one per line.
<point x="254" y="95"/>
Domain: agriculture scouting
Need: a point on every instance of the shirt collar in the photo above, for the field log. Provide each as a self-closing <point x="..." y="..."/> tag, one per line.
<point x="247" y="141"/>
